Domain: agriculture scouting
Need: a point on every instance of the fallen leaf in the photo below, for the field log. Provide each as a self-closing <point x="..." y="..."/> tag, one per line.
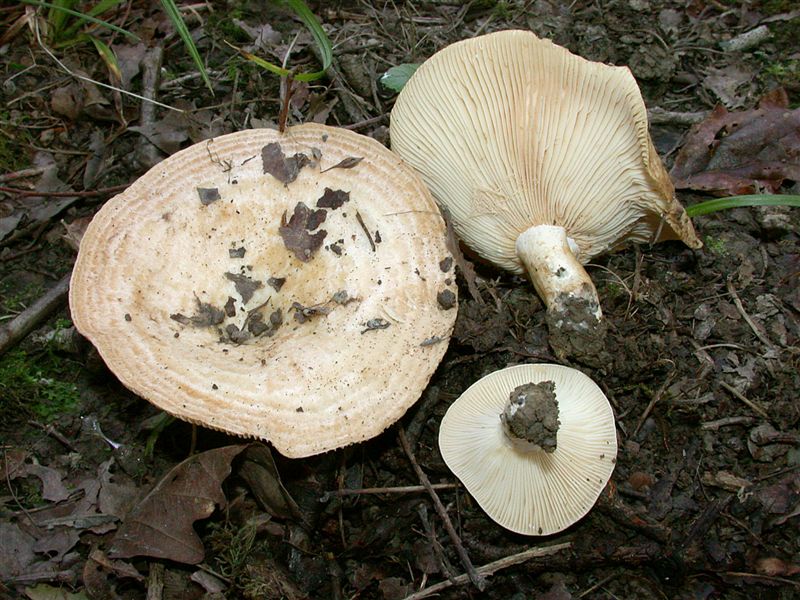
<point x="258" y="469"/>
<point x="42" y="591"/>
<point x="283" y="168"/>
<point x="333" y="199"/>
<point x="160" y="525"/>
<point x="742" y="152"/>
<point x="245" y="286"/>
<point x="345" y="163"/>
<point x="296" y="233"/>
<point x="17" y="554"/>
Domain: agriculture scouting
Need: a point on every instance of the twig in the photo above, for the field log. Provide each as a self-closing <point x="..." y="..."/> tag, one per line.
<point x="155" y="581"/>
<point x="656" y="397"/>
<point x="491" y="568"/>
<point x="403" y="489"/>
<point x="725" y="422"/>
<point x="364" y="227"/>
<point x="447" y="568"/>
<point x="659" y="116"/>
<point x="430" y="398"/>
<point x="365" y="123"/>
<point x="736" y="393"/>
<point x="50" y="430"/>
<point x="31" y="317"/>
<point x="84" y="194"/>
<point x="151" y="76"/>
<point x="477" y="580"/>
<point x="32" y="172"/>
<point x="740" y="307"/>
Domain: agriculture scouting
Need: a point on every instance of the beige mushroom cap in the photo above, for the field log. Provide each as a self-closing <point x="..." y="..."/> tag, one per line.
<point x="530" y="491"/>
<point x="209" y="241"/>
<point x="510" y="131"/>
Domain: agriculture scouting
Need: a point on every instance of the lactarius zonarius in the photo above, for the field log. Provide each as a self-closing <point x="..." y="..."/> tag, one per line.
<point x="293" y="287"/>
<point x="543" y="160"/>
<point x="533" y="444"/>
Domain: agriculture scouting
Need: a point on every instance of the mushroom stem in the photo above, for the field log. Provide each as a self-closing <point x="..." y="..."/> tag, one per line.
<point x="530" y="418"/>
<point x="574" y="318"/>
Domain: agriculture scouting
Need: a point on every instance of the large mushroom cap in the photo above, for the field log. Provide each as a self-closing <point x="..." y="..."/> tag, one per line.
<point x="509" y="131"/>
<point x="238" y="286"/>
<point x="544" y="161"/>
<point x="524" y="489"/>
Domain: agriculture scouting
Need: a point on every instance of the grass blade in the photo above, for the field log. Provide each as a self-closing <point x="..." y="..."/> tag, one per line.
<point x="84" y="16"/>
<point x="180" y="26"/>
<point x="717" y="204"/>
<point x="320" y="38"/>
<point x="109" y="58"/>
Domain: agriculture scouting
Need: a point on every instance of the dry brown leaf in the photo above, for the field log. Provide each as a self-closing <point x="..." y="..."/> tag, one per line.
<point x="160" y="525"/>
<point x="742" y="152"/>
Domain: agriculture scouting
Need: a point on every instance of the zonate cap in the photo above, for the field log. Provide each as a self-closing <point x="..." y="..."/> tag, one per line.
<point x="523" y="488"/>
<point x="293" y="287"/>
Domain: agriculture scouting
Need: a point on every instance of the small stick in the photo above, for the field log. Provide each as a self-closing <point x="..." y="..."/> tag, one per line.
<point x="740" y="307"/>
<point x="725" y="422"/>
<point x="50" y="430"/>
<point x="744" y="399"/>
<point x="31" y="317"/>
<point x="403" y="489"/>
<point x="365" y="123"/>
<point x="32" y="172"/>
<point x="656" y="397"/>
<point x="155" y="581"/>
<point x="283" y="116"/>
<point x="151" y="76"/>
<point x="491" y="568"/>
<point x="477" y="580"/>
<point x="84" y="194"/>
<point x="364" y="227"/>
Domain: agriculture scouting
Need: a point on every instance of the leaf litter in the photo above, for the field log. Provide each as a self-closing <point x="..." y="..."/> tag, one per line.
<point x="742" y="152"/>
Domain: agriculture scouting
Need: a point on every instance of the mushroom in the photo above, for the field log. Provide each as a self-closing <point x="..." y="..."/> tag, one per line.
<point x="543" y="160"/>
<point x="276" y="286"/>
<point x="534" y="444"/>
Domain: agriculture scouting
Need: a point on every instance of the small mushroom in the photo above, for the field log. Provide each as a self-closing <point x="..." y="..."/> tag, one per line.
<point x="154" y="279"/>
<point x="544" y="161"/>
<point x="534" y="444"/>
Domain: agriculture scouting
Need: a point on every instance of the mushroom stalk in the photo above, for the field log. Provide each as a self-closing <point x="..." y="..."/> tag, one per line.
<point x="574" y="317"/>
<point x="530" y="418"/>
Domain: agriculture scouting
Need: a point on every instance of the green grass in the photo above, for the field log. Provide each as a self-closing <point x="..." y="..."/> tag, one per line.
<point x="717" y="204"/>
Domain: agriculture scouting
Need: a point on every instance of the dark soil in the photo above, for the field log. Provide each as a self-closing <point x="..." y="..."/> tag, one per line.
<point x="702" y="367"/>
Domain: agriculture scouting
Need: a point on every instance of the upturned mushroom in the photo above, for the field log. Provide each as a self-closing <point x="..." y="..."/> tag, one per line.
<point x="534" y="444"/>
<point x="277" y="286"/>
<point x="543" y="160"/>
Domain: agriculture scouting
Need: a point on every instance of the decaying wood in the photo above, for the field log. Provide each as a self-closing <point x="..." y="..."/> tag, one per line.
<point x="31" y="317"/>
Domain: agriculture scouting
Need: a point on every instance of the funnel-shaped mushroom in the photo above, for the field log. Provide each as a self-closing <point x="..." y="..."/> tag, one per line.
<point x="534" y="445"/>
<point x="544" y="161"/>
<point x="279" y="286"/>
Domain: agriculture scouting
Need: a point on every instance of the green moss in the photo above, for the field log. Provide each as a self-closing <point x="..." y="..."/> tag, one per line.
<point x="37" y="386"/>
<point x="715" y="245"/>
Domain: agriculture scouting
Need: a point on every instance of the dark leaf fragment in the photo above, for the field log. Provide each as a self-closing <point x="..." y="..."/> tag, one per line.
<point x="281" y="167"/>
<point x="236" y="252"/>
<point x="245" y="286"/>
<point x="276" y="283"/>
<point x="230" y="307"/>
<point x="207" y="315"/>
<point x="446" y="299"/>
<point x="296" y="232"/>
<point x="374" y="324"/>
<point x="236" y="335"/>
<point x="333" y="199"/>
<point x="305" y="313"/>
<point x="345" y="163"/>
<point x="208" y="195"/>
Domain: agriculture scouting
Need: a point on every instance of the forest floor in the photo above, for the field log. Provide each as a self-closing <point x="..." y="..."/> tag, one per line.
<point x="703" y="370"/>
